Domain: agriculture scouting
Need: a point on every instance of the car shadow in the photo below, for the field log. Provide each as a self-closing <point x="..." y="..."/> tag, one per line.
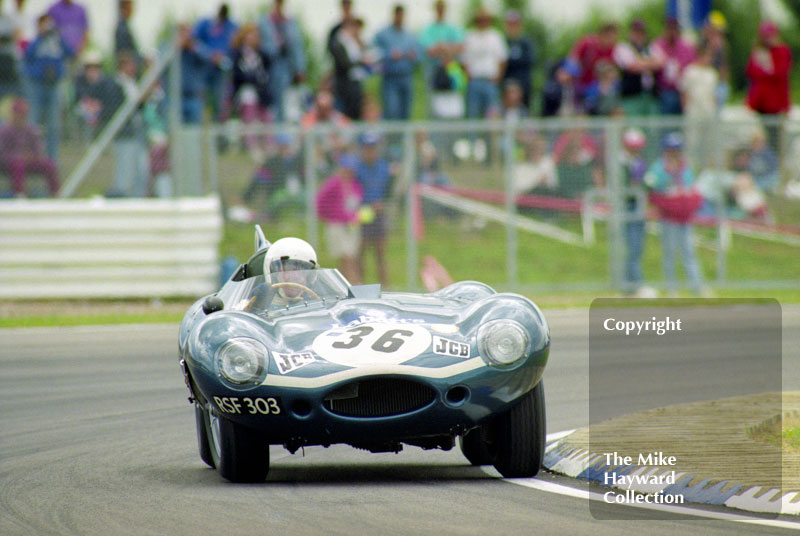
<point x="352" y="473"/>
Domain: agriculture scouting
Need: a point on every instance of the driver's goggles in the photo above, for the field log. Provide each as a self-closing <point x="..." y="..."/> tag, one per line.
<point x="289" y="265"/>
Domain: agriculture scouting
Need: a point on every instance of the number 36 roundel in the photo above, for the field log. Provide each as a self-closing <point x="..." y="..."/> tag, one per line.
<point x="369" y="344"/>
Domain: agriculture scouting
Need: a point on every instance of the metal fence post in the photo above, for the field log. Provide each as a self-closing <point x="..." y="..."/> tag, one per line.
<point x="174" y="115"/>
<point x="412" y="251"/>
<point x="722" y="241"/>
<point x="213" y="160"/>
<point x="511" y="205"/>
<point x="310" y="159"/>
<point x="615" y="188"/>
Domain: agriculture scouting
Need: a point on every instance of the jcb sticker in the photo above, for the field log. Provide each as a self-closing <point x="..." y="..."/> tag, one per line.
<point x="250" y="406"/>
<point x="447" y="347"/>
<point x="289" y="362"/>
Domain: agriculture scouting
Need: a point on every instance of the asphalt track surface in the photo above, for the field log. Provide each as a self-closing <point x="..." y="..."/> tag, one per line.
<point x="97" y="437"/>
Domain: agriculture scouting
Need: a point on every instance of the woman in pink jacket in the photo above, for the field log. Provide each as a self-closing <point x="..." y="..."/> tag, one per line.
<point x="768" y="72"/>
<point x="338" y="201"/>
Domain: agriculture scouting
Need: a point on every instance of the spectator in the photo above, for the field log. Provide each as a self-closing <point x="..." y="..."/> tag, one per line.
<point x="698" y="86"/>
<point x="749" y="201"/>
<point x="335" y="142"/>
<point x="428" y="166"/>
<point x="576" y="154"/>
<point x="579" y="67"/>
<point x="768" y="72"/>
<point x="442" y="43"/>
<point x="278" y="182"/>
<point x="9" y="72"/>
<point x="637" y="82"/>
<point x="338" y="202"/>
<point x="192" y="72"/>
<point x="94" y="93"/>
<point x="347" y="14"/>
<point x="763" y="163"/>
<point x="713" y="38"/>
<point x="45" y="66"/>
<point x="537" y="170"/>
<point x="634" y="167"/>
<point x="124" y="41"/>
<point x="323" y="111"/>
<point x="400" y="53"/>
<point x="371" y="111"/>
<point x="24" y="25"/>
<point x="485" y="56"/>
<point x="350" y="67"/>
<point x="251" y="87"/>
<point x="72" y="23"/>
<point x="447" y="89"/>
<point x="558" y="93"/>
<point x="521" y="56"/>
<point x="155" y="125"/>
<point x="514" y="107"/>
<point x="282" y="41"/>
<point x="131" y="165"/>
<point x="603" y="95"/>
<point x="212" y="39"/>
<point x="671" y="184"/>
<point x="672" y="54"/>
<point x="374" y="176"/>
<point x="22" y="151"/>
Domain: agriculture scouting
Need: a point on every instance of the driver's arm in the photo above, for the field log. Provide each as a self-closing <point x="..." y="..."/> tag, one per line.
<point x="261" y="298"/>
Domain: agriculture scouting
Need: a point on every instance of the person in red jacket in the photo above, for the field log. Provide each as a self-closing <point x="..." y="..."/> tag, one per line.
<point x="768" y="72"/>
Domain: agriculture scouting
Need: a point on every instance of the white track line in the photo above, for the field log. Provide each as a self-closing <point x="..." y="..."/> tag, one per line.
<point x="560" y="489"/>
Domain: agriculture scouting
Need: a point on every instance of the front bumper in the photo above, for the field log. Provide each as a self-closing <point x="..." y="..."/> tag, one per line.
<point x="307" y="417"/>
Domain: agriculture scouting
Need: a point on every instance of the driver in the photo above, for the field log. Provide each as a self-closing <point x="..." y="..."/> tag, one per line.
<point x="288" y="274"/>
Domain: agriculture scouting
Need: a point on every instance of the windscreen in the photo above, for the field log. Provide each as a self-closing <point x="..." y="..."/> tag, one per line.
<point x="284" y="291"/>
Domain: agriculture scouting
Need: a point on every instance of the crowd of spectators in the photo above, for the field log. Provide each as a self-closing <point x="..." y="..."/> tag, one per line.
<point x="257" y="72"/>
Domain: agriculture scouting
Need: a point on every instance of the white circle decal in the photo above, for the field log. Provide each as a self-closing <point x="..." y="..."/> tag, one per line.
<point x="372" y="344"/>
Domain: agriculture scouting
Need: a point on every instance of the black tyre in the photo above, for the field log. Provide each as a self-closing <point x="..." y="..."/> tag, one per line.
<point x="519" y="437"/>
<point x="202" y="435"/>
<point x="240" y="454"/>
<point x="473" y="445"/>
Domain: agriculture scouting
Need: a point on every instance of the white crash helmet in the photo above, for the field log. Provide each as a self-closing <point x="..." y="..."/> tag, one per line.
<point x="289" y="254"/>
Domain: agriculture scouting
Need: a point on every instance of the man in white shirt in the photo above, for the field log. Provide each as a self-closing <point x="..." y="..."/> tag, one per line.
<point x="485" y="57"/>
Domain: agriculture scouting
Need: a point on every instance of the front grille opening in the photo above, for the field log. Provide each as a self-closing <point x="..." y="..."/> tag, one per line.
<point x="378" y="397"/>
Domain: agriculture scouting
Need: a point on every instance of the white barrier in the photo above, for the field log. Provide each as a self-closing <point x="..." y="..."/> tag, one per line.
<point x="103" y="248"/>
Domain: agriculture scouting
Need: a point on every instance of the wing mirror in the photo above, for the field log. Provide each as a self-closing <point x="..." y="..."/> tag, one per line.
<point x="212" y="305"/>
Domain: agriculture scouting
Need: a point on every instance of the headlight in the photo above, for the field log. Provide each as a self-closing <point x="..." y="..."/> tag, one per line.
<point x="242" y="361"/>
<point x="502" y="342"/>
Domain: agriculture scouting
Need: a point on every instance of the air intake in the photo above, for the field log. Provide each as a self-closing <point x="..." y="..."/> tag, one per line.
<point x="379" y="397"/>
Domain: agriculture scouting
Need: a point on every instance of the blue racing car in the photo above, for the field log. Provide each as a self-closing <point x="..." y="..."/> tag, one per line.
<point x="287" y="353"/>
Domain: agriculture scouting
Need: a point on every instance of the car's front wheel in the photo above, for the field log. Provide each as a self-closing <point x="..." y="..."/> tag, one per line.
<point x="203" y="442"/>
<point x="474" y="445"/>
<point x="519" y="436"/>
<point x="240" y="454"/>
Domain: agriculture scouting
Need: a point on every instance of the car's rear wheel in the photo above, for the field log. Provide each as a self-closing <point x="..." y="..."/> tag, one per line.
<point x="240" y="454"/>
<point x="202" y="435"/>
<point x="518" y="437"/>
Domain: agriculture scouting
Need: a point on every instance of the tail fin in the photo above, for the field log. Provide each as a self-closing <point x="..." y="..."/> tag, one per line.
<point x="261" y="240"/>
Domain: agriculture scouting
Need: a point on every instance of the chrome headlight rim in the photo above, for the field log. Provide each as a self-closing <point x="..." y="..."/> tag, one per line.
<point x="253" y="357"/>
<point x="490" y="335"/>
